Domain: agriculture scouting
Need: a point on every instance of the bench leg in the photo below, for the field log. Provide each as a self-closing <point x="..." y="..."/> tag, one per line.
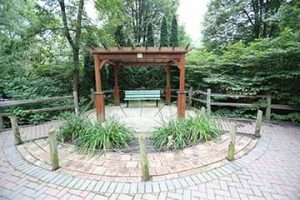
<point x="156" y="103"/>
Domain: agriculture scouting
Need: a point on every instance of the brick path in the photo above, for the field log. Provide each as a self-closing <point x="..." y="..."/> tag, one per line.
<point x="269" y="171"/>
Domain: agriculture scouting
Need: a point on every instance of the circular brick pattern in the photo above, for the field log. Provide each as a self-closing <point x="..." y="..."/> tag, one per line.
<point x="125" y="167"/>
<point x="89" y="183"/>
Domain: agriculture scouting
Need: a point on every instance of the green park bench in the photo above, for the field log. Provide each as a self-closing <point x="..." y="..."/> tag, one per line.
<point x="140" y="95"/>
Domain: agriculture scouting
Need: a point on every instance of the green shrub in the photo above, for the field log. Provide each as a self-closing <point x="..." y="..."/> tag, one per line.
<point x="180" y="133"/>
<point x="110" y="134"/>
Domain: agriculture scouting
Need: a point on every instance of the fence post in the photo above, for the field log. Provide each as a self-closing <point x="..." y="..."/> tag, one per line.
<point x="208" y="100"/>
<point x="258" y="123"/>
<point x="202" y="110"/>
<point x="15" y="129"/>
<point x="76" y="102"/>
<point x="53" y="149"/>
<point x="1" y="123"/>
<point x="190" y="98"/>
<point x="268" y="110"/>
<point x="144" y="159"/>
<point x="92" y="96"/>
<point x="231" y="146"/>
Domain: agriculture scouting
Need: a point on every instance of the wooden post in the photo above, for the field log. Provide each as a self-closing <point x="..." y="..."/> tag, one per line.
<point x="181" y="94"/>
<point x="208" y="100"/>
<point x="15" y="129"/>
<point x="144" y="159"/>
<point x="268" y="110"/>
<point x="99" y="95"/>
<point x="168" y="86"/>
<point x="53" y="149"/>
<point x="76" y="102"/>
<point x="231" y="146"/>
<point x="93" y="96"/>
<point x="258" y="123"/>
<point x="116" y="86"/>
<point x="1" y="123"/>
<point x="202" y="110"/>
<point x="190" y="98"/>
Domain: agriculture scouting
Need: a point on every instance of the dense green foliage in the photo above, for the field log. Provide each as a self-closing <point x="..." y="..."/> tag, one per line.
<point x="180" y="133"/>
<point x="164" y="33"/>
<point x="107" y="135"/>
<point x="150" y="36"/>
<point x="120" y="37"/>
<point x="245" y="20"/>
<point x="259" y="64"/>
<point x="249" y="47"/>
<point x="174" y="33"/>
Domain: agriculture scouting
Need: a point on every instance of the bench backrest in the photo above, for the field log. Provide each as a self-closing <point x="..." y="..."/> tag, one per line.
<point x="142" y="94"/>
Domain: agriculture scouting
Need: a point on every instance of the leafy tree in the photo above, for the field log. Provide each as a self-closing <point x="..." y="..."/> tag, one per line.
<point x="119" y="36"/>
<point x="164" y="33"/>
<point x="75" y="45"/>
<point x="135" y="15"/>
<point x="174" y="33"/>
<point x="245" y="20"/>
<point x="150" y="36"/>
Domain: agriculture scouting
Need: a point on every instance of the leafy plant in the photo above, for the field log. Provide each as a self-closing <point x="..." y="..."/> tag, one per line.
<point x="110" y="134"/>
<point x="180" y="133"/>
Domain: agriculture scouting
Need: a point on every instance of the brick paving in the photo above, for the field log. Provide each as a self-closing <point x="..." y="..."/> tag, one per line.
<point x="269" y="171"/>
<point x="125" y="167"/>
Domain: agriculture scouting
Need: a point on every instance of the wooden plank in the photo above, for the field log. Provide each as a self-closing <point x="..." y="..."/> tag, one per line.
<point x="247" y="105"/>
<point x="237" y="96"/>
<point x="200" y="92"/>
<point x="32" y="101"/>
<point x="42" y="110"/>
<point x="284" y="107"/>
<point x="199" y="100"/>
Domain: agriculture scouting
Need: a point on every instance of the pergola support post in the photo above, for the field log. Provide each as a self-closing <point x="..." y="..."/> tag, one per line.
<point x="99" y="95"/>
<point x="116" y="86"/>
<point x="181" y="104"/>
<point x="168" y="86"/>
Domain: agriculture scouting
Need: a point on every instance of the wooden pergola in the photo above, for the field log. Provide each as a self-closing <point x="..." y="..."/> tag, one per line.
<point x="139" y="56"/>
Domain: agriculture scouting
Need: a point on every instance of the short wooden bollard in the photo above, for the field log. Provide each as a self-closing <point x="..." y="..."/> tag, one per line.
<point x="202" y="110"/>
<point x="231" y="146"/>
<point x="208" y="102"/>
<point x="268" y="110"/>
<point x="1" y="123"/>
<point x="258" y="123"/>
<point x="53" y="149"/>
<point x="15" y="129"/>
<point x="190" y="98"/>
<point x="144" y="159"/>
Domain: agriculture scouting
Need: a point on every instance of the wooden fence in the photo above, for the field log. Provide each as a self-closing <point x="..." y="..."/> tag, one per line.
<point x="191" y="97"/>
<point x="208" y="101"/>
<point x="5" y="104"/>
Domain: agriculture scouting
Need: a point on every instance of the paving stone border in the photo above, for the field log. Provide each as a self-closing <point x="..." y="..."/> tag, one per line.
<point x="60" y="179"/>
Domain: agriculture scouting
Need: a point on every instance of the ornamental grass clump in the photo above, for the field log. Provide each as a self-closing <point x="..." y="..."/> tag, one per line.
<point x="89" y="136"/>
<point x="180" y="133"/>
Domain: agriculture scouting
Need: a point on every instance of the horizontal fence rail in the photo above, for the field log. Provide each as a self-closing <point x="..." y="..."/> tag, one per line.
<point x="32" y="101"/>
<point x="14" y="103"/>
<point x="268" y="106"/>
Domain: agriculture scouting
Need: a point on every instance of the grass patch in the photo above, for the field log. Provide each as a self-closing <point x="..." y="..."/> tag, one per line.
<point x="110" y="134"/>
<point x="180" y="133"/>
